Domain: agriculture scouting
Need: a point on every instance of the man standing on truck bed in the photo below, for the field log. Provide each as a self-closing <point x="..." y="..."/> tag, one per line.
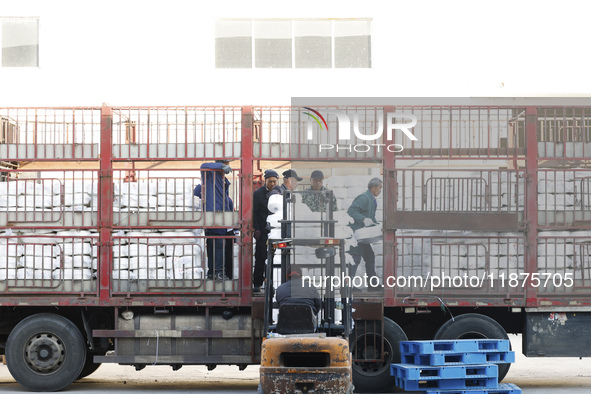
<point x="363" y="212"/>
<point x="215" y="193"/>
<point x="261" y="232"/>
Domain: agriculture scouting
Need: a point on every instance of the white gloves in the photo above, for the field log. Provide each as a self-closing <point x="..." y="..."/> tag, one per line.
<point x="368" y="222"/>
<point x="226" y="168"/>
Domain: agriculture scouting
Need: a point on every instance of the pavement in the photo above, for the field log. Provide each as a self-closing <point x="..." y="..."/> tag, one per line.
<point x="532" y="375"/>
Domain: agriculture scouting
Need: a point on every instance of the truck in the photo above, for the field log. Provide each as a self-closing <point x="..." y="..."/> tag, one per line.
<point x="103" y="256"/>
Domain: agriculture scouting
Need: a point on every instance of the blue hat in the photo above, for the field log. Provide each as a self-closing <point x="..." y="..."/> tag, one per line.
<point x="271" y="173"/>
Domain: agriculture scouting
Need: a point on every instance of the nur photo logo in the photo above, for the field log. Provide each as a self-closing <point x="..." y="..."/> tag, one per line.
<point x="340" y="131"/>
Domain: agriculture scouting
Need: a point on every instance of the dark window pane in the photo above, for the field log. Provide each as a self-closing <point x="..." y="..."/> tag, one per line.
<point x="352" y="44"/>
<point x="233" y="44"/>
<point x="20" y="42"/>
<point x="313" y="47"/>
<point x="272" y="44"/>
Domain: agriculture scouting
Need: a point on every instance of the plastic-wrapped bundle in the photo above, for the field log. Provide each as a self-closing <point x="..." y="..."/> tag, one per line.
<point x="138" y="201"/>
<point x="78" y="248"/>
<point x="124" y="275"/>
<point x="146" y="262"/>
<point x="275" y="203"/>
<point x="45" y="262"/>
<point x="176" y="200"/>
<point x="170" y="237"/>
<point x="12" y="250"/>
<point x="77" y="199"/>
<point x="8" y="201"/>
<point x="38" y="201"/>
<point x="180" y="250"/>
<point x="135" y="250"/>
<point x="78" y="261"/>
<point x="41" y="250"/>
<point x="152" y="274"/>
<point x="7" y="274"/>
<point x="29" y="273"/>
<point x="183" y="262"/>
<point x="175" y="186"/>
<point x="188" y="273"/>
<point x="72" y="233"/>
<point x="77" y="274"/>
<point x="274" y="219"/>
<point x="9" y="262"/>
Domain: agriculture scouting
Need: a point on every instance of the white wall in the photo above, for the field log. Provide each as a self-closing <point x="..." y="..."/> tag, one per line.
<point x="163" y="53"/>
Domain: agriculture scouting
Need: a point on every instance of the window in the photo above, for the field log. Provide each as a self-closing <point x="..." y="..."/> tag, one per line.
<point x="20" y="42"/>
<point x="313" y="44"/>
<point x="352" y="42"/>
<point x="233" y="44"/>
<point x="297" y="43"/>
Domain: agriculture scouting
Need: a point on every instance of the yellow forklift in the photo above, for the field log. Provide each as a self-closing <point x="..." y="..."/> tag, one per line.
<point x="303" y="353"/>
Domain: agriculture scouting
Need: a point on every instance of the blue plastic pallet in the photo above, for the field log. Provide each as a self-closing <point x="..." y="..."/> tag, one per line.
<point x="414" y="372"/>
<point x="504" y="388"/>
<point x="455" y="346"/>
<point x="454" y="384"/>
<point x="439" y="359"/>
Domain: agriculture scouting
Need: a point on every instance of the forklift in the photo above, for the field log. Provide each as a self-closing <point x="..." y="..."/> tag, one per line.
<point x="301" y="353"/>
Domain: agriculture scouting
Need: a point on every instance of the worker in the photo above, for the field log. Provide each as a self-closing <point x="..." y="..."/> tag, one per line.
<point x="261" y="232"/>
<point x="363" y="212"/>
<point x="214" y="191"/>
<point x="290" y="180"/>
<point x="293" y="291"/>
<point x="317" y="201"/>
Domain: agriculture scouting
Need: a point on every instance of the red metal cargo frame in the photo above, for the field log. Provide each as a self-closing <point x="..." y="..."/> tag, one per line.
<point x="520" y="148"/>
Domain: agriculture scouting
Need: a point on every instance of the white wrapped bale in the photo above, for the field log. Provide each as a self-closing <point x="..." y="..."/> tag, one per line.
<point x="334" y="182"/>
<point x="188" y="273"/>
<point x="134" y="250"/>
<point x="77" y="274"/>
<point x="41" y="250"/>
<point x="9" y="262"/>
<point x="79" y="261"/>
<point x="43" y="262"/>
<point x="38" y="201"/>
<point x="124" y="275"/>
<point x="77" y="199"/>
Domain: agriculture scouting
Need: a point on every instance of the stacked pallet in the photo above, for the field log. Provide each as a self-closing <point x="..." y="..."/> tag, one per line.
<point x="453" y="366"/>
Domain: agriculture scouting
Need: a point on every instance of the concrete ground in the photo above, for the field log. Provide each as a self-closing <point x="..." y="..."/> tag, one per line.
<point x="533" y="375"/>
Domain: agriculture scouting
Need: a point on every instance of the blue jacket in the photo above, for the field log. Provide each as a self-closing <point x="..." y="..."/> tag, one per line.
<point x="217" y="188"/>
<point x="217" y="193"/>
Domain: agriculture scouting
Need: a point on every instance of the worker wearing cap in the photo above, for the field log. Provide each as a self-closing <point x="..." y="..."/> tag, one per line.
<point x="261" y="232"/>
<point x="214" y="191"/>
<point x="290" y="180"/>
<point x="317" y="201"/>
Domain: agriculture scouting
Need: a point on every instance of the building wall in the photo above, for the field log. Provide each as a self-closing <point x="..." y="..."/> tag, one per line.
<point x="163" y="53"/>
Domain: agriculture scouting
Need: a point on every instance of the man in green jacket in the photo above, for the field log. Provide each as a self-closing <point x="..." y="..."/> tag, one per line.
<point x="363" y="212"/>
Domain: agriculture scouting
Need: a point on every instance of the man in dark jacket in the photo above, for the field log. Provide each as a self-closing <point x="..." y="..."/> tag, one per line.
<point x="363" y="213"/>
<point x="261" y="232"/>
<point x="214" y="192"/>
<point x="294" y="291"/>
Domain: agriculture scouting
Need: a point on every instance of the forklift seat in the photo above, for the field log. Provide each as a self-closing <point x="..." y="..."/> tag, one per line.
<point x="296" y="319"/>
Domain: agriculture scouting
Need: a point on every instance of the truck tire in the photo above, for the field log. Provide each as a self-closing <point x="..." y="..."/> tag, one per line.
<point x="89" y="366"/>
<point x="474" y="326"/>
<point x="366" y="342"/>
<point x="45" y="352"/>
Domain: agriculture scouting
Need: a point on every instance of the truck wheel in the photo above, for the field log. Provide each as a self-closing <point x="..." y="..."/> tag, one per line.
<point x="366" y="343"/>
<point x="45" y="352"/>
<point x="474" y="326"/>
<point x="89" y="366"/>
